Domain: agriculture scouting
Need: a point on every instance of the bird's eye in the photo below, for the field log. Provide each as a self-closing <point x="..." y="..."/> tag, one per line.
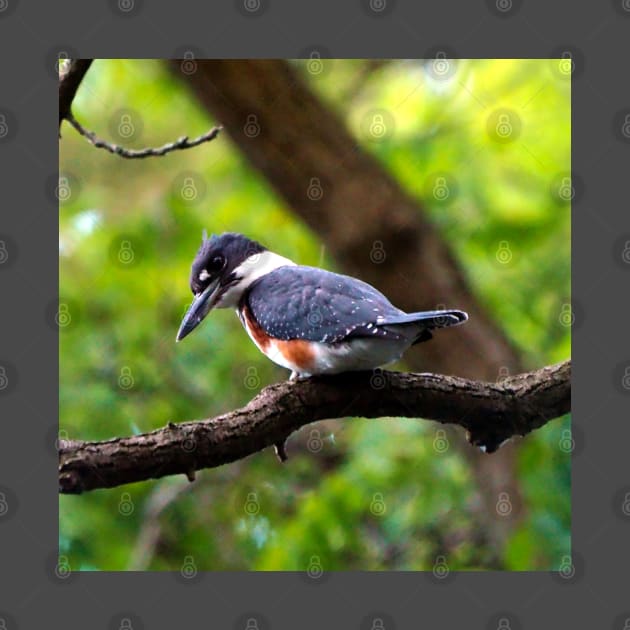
<point x="216" y="263"/>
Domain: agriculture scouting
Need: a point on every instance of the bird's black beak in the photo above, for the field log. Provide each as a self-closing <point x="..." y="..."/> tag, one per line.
<point x="200" y="307"/>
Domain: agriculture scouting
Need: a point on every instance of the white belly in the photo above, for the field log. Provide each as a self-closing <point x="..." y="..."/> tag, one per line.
<point x="357" y="354"/>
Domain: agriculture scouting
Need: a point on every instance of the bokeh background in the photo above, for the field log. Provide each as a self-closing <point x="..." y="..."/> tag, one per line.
<point x="395" y="494"/>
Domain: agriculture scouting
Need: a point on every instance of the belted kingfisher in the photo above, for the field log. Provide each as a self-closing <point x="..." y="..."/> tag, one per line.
<point x="306" y="319"/>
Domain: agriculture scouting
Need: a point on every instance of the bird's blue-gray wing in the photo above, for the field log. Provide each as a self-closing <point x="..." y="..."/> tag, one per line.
<point x="297" y="302"/>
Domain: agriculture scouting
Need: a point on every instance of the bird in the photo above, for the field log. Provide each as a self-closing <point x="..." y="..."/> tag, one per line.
<point x="307" y="319"/>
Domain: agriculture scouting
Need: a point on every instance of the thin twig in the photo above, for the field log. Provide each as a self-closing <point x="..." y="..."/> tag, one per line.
<point x="181" y="143"/>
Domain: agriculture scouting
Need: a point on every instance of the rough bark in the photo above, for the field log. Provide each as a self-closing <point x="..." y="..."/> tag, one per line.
<point x="491" y="413"/>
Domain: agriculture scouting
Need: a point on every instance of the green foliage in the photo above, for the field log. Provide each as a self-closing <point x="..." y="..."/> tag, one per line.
<point x="378" y="495"/>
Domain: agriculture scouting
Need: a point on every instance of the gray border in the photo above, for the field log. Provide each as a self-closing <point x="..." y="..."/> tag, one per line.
<point x="35" y="590"/>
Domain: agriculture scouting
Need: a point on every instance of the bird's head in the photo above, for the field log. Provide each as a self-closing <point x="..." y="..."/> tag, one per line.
<point x="223" y="268"/>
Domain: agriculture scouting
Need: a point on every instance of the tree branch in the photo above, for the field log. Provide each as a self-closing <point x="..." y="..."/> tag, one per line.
<point x="491" y="412"/>
<point x="180" y="143"/>
<point x="69" y="81"/>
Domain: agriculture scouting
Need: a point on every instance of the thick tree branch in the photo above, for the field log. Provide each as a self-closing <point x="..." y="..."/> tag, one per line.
<point x="491" y="412"/>
<point x="69" y="81"/>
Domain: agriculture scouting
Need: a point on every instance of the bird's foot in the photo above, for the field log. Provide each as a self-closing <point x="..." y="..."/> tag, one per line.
<point x="297" y="376"/>
<point x="281" y="453"/>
